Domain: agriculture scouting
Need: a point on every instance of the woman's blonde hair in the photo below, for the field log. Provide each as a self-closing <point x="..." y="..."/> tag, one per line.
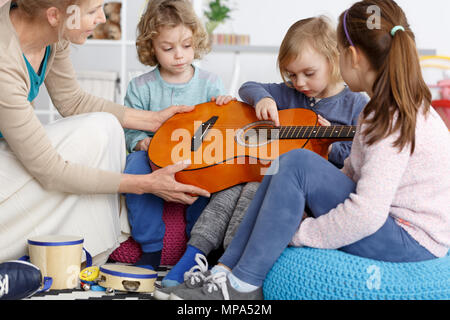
<point x="316" y="32"/>
<point x="34" y="7"/>
<point x="169" y="13"/>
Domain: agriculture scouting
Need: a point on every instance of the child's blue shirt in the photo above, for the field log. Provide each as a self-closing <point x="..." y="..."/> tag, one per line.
<point x="150" y="92"/>
<point x="341" y="109"/>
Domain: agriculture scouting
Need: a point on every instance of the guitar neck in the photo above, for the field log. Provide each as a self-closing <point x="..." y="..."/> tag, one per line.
<point x="314" y="132"/>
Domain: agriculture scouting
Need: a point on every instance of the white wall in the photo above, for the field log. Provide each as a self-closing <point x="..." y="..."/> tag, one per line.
<point x="266" y="21"/>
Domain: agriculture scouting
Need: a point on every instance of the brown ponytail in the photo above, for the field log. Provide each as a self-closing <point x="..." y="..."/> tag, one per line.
<point x="399" y="91"/>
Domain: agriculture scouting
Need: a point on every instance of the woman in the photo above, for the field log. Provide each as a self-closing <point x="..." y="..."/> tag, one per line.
<point x="65" y="178"/>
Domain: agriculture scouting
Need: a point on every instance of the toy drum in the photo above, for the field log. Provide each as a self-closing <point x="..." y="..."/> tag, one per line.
<point x="58" y="257"/>
<point x="126" y="278"/>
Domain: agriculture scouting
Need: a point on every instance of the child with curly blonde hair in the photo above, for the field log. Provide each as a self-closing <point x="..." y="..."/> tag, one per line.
<point x="170" y="37"/>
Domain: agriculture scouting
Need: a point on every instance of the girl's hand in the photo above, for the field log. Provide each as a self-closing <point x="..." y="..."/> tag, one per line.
<point x="143" y="144"/>
<point x="221" y="100"/>
<point x="266" y="109"/>
<point x="323" y="122"/>
<point x="162" y="183"/>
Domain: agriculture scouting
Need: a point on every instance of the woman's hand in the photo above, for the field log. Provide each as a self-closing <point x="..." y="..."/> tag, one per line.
<point x="162" y="183"/>
<point x="165" y="186"/>
<point x="221" y="100"/>
<point x="164" y="115"/>
<point x="266" y="109"/>
<point x="150" y="120"/>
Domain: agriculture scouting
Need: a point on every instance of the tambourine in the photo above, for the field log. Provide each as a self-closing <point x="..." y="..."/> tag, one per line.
<point x="126" y="278"/>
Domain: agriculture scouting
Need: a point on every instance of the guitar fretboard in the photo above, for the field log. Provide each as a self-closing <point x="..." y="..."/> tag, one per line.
<point x="312" y="132"/>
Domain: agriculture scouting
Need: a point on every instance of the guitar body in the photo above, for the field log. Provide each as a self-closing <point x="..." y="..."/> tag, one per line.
<point x="228" y="148"/>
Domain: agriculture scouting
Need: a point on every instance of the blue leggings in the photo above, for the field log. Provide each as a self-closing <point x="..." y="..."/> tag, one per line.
<point x="305" y="179"/>
<point x="145" y="211"/>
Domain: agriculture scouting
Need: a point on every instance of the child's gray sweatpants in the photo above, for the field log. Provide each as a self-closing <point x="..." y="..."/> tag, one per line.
<point x="221" y="218"/>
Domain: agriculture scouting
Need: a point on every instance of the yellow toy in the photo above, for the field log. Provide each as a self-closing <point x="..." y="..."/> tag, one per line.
<point x="89" y="278"/>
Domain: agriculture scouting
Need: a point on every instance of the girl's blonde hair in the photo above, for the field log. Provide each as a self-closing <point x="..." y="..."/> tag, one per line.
<point x="316" y="32"/>
<point x="399" y="91"/>
<point x="169" y="13"/>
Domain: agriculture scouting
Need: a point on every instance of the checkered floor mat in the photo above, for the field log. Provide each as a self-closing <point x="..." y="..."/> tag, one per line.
<point x="80" y="294"/>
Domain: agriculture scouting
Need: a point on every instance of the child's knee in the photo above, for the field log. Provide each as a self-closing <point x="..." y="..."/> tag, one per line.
<point x="298" y="158"/>
<point x="137" y="163"/>
<point x="103" y="126"/>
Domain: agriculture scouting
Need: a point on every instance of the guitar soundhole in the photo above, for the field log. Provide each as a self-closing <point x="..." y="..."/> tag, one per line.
<point x="256" y="134"/>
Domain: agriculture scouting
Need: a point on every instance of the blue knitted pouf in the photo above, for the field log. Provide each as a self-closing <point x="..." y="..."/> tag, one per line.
<point x="315" y="274"/>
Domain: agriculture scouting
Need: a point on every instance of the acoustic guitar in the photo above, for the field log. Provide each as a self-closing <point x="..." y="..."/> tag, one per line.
<point x="228" y="145"/>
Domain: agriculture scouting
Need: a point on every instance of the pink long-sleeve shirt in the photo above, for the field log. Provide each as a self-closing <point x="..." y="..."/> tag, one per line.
<point x="413" y="189"/>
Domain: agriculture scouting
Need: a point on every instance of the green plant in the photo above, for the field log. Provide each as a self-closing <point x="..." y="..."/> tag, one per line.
<point x="218" y="13"/>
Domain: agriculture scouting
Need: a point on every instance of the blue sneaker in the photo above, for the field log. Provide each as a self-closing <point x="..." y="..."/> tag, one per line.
<point x="20" y="279"/>
<point x="194" y="278"/>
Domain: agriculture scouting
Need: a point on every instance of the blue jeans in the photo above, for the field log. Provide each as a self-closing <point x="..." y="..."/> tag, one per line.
<point x="145" y="211"/>
<point x="305" y="179"/>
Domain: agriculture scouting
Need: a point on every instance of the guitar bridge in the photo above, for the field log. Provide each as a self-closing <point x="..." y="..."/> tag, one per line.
<point x="201" y="132"/>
